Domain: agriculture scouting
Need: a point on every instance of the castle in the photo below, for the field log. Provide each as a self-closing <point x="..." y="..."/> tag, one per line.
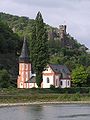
<point x="61" y="34"/>
<point x="56" y="75"/>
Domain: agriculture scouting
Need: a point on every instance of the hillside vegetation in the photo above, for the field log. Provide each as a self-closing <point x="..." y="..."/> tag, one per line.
<point x="14" y="28"/>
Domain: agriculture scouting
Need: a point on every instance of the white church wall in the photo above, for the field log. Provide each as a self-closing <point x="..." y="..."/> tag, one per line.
<point x="57" y="82"/>
<point x="65" y="83"/>
<point x="47" y="84"/>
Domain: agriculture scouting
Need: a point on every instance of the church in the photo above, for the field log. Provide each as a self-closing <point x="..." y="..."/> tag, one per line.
<point x="53" y="74"/>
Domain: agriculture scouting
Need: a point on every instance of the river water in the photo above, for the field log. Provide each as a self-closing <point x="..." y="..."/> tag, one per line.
<point x="46" y="112"/>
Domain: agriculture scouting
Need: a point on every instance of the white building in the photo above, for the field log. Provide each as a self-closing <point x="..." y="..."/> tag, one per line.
<point x="56" y="75"/>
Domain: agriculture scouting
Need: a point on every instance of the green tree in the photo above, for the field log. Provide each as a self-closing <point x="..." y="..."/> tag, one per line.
<point x="88" y="78"/>
<point x="39" y="47"/>
<point x="4" y="79"/>
<point x="8" y="40"/>
<point x="79" y="76"/>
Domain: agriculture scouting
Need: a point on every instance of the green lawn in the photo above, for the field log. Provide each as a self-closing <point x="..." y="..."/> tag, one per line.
<point x="13" y="95"/>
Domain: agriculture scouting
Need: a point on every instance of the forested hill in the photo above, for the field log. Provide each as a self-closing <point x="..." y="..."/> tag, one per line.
<point x="20" y="25"/>
<point x="23" y="25"/>
<point x="62" y="51"/>
<point x="10" y="45"/>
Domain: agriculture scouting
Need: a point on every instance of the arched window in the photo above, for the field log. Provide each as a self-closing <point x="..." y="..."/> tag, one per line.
<point x="68" y="83"/>
<point x="61" y="83"/>
<point x="48" y="80"/>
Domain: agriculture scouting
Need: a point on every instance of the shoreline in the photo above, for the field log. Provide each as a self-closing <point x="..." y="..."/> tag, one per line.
<point x="41" y="103"/>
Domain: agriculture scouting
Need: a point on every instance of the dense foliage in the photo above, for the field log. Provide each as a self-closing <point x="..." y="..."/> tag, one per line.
<point x="8" y="39"/>
<point x="4" y="79"/>
<point x="9" y="49"/>
<point x="39" y="48"/>
<point x="79" y="76"/>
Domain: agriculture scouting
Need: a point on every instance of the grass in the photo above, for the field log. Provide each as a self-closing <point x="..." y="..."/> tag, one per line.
<point x="13" y="95"/>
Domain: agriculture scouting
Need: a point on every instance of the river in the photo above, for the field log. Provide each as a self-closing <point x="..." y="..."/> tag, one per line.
<point x="46" y="112"/>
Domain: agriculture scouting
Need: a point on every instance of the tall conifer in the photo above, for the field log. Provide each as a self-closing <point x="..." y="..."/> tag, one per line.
<point x="39" y="48"/>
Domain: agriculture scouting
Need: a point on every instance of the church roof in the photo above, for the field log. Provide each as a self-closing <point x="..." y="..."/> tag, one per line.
<point x="24" y="58"/>
<point x="62" y="69"/>
<point x="31" y="80"/>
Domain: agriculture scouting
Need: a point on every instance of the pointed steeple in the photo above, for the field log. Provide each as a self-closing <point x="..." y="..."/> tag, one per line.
<point x="24" y="58"/>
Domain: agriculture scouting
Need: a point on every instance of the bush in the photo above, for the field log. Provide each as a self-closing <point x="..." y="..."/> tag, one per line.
<point x="52" y="87"/>
<point x="4" y="79"/>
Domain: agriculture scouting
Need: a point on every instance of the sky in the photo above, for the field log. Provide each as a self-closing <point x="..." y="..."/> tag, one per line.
<point x="73" y="13"/>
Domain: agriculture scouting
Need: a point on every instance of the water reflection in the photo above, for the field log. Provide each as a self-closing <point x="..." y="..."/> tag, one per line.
<point x="46" y="112"/>
<point x="74" y="116"/>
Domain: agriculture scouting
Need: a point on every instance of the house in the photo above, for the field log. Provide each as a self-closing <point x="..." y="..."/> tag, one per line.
<point x="56" y="75"/>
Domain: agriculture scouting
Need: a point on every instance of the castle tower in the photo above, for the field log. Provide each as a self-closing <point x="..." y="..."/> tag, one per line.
<point x="62" y="34"/>
<point x="62" y="31"/>
<point x="24" y="67"/>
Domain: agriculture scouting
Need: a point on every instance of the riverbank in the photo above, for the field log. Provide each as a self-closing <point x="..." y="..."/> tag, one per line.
<point x="15" y="100"/>
<point x="32" y="98"/>
<point x="10" y="97"/>
<point x="41" y="103"/>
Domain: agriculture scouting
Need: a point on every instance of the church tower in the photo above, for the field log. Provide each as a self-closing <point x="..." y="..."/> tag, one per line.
<point x="24" y="67"/>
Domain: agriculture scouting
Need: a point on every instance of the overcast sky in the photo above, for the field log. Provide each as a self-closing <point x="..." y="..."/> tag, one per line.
<point x="74" y="13"/>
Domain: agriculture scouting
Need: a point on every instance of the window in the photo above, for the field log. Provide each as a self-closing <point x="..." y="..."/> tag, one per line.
<point x="26" y="76"/>
<point x="46" y="69"/>
<point x="22" y="66"/>
<point x="56" y="82"/>
<point x="68" y="83"/>
<point x="21" y="85"/>
<point x="47" y="80"/>
<point x="26" y="66"/>
<point x="61" y="83"/>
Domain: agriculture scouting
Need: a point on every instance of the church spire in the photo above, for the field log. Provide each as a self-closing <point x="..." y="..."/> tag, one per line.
<point x="24" y="58"/>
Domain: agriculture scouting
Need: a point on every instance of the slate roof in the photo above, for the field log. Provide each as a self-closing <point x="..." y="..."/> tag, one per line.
<point x="24" y="58"/>
<point x="31" y="80"/>
<point x="60" y="69"/>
